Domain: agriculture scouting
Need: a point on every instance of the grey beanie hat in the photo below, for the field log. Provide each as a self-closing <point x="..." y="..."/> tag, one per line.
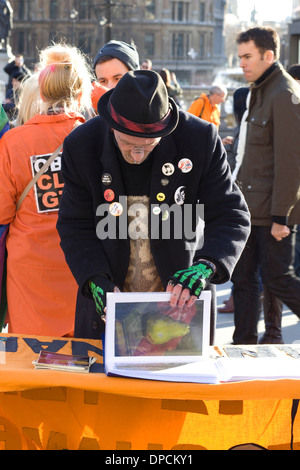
<point x="119" y="50"/>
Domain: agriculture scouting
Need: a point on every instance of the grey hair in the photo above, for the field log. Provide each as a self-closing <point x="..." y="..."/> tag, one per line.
<point x="218" y="90"/>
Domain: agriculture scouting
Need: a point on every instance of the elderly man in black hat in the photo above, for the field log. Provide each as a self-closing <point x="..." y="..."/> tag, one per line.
<point x="128" y="172"/>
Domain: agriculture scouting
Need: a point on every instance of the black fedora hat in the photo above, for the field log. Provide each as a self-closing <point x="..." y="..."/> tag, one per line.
<point x="139" y="105"/>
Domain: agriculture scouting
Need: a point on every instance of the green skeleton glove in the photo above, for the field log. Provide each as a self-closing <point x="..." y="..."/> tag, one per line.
<point x="195" y="277"/>
<point x="99" y="286"/>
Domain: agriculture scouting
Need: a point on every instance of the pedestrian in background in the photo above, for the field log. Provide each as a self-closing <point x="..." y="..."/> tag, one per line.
<point x="146" y="64"/>
<point x="233" y="145"/>
<point x="294" y="71"/>
<point x="15" y="66"/>
<point x="269" y="176"/>
<point x="111" y="62"/>
<point x="173" y="87"/>
<point x="207" y="106"/>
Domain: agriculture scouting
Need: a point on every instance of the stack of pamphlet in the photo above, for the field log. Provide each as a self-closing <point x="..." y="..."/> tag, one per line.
<point x="64" y="362"/>
<point x="258" y="362"/>
<point x="237" y="370"/>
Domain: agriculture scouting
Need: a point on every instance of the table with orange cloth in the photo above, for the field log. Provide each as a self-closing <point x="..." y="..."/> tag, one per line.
<point x="52" y="410"/>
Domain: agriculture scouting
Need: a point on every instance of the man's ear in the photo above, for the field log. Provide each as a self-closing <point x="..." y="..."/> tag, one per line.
<point x="269" y="57"/>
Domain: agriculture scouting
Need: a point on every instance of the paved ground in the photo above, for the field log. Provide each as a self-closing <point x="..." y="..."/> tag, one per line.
<point x="225" y="324"/>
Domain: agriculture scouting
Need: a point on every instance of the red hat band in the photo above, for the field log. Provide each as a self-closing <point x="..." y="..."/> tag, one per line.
<point x="138" y="127"/>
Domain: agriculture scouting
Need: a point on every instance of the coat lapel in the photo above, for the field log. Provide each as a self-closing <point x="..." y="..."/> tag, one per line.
<point x="165" y="173"/>
<point x="111" y="177"/>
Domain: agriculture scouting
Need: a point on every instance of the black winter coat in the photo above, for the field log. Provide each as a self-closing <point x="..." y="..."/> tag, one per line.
<point x="89" y="152"/>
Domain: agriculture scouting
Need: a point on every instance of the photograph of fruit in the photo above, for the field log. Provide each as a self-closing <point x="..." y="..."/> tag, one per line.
<point x="155" y="329"/>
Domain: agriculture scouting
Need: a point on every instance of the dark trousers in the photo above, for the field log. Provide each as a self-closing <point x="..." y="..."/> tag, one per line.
<point x="275" y="262"/>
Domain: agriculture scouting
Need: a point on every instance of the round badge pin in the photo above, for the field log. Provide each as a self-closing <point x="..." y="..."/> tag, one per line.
<point x="160" y="197"/>
<point x="179" y="195"/>
<point x="185" y="165"/>
<point x="168" y="169"/>
<point x="106" y="179"/>
<point x="156" y="210"/>
<point x="164" y="181"/>
<point x="165" y="215"/>
<point x="109" y="195"/>
<point x="115" y="209"/>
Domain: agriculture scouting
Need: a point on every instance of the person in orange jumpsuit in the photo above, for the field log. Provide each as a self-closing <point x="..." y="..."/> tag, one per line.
<point x="41" y="291"/>
<point x="207" y="106"/>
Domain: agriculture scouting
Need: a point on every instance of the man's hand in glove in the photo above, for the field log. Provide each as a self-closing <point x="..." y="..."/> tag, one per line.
<point x="187" y="285"/>
<point x="99" y="286"/>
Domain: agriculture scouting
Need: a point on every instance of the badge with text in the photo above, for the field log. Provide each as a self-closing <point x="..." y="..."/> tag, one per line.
<point x="106" y="179"/>
<point x="185" y="165"/>
<point x="49" y="187"/>
<point x="116" y="209"/>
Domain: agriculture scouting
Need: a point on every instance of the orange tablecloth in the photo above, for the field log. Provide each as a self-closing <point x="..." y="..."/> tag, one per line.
<point x="44" y="409"/>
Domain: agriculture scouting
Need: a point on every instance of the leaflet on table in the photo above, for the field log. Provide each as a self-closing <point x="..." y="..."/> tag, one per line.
<point x="146" y="338"/>
<point x="237" y="370"/>
<point x="253" y="362"/>
<point x="66" y="362"/>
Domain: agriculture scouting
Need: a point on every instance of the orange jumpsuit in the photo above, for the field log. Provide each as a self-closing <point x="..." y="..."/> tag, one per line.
<point x="201" y="107"/>
<point x="97" y="91"/>
<point x="41" y="291"/>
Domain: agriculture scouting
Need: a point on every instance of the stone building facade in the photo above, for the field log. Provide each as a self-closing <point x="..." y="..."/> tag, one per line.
<point x="184" y="36"/>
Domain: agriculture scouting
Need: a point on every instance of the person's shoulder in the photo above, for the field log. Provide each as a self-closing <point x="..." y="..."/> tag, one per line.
<point x="89" y="130"/>
<point x="285" y="90"/>
<point x="193" y="132"/>
<point x="190" y="121"/>
<point x="199" y="99"/>
<point x="15" y="134"/>
<point x="280" y="80"/>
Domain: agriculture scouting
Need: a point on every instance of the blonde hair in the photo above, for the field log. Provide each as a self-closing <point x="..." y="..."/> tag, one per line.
<point x="29" y="100"/>
<point x="64" y="79"/>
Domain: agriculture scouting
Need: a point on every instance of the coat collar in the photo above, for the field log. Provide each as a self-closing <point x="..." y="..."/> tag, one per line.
<point x="163" y="184"/>
<point x="50" y="118"/>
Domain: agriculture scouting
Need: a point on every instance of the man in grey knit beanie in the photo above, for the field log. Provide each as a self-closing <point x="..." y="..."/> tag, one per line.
<point x="113" y="60"/>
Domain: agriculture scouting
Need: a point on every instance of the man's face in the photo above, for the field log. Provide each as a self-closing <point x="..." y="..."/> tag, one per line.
<point x="109" y="73"/>
<point x="218" y="98"/>
<point x="135" y="150"/>
<point x="145" y="66"/>
<point x="19" y="61"/>
<point x="253" y="63"/>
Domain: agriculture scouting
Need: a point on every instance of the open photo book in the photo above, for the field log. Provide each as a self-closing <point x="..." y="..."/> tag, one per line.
<point x="146" y="338"/>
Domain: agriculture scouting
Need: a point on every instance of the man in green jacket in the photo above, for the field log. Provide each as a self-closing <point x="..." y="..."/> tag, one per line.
<point x="269" y="177"/>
